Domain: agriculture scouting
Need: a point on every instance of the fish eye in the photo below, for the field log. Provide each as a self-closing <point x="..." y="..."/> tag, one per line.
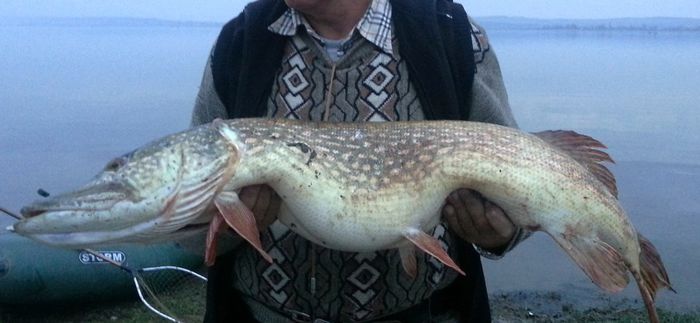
<point x="115" y="164"/>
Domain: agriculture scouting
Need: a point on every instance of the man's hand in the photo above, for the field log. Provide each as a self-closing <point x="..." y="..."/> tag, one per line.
<point x="477" y="220"/>
<point x="263" y="201"/>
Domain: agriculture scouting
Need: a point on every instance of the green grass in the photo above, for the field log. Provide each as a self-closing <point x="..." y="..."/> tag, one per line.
<point x="123" y="311"/>
<point x="520" y="313"/>
<point x="634" y="316"/>
<point x="187" y="301"/>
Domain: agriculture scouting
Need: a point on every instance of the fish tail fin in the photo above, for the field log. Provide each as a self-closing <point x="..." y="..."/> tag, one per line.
<point x="602" y="263"/>
<point x="647" y="296"/>
<point x="651" y="277"/>
<point x="653" y="271"/>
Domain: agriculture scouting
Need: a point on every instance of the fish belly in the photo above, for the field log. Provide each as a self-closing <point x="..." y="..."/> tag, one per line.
<point x="360" y="220"/>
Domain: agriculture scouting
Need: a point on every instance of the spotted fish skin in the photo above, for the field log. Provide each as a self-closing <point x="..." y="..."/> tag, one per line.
<point x="376" y="179"/>
<point x="358" y="187"/>
<point x="362" y="187"/>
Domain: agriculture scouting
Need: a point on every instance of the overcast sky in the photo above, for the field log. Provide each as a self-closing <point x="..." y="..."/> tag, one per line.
<point x="222" y="10"/>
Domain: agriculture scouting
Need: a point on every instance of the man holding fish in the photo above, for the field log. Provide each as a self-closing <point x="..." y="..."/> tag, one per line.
<point x="355" y="61"/>
<point x="349" y="193"/>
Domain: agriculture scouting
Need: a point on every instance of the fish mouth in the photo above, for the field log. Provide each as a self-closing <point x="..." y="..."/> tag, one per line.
<point x="77" y="217"/>
<point x="67" y="227"/>
<point x="93" y="197"/>
<point x="36" y="210"/>
<point x="30" y="212"/>
<point x="96" y="238"/>
<point x="99" y="215"/>
<point x="112" y="210"/>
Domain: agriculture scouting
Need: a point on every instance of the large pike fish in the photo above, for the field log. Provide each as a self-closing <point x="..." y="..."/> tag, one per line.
<point x="358" y="187"/>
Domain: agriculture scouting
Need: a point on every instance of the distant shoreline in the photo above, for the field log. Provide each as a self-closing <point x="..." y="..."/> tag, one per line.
<point x="656" y="24"/>
<point x="652" y="24"/>
<point x="102" y="22"/>
<point x="603" y="28"/>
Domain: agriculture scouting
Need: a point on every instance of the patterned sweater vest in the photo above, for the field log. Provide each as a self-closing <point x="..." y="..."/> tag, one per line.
<point x="367" y="85"/>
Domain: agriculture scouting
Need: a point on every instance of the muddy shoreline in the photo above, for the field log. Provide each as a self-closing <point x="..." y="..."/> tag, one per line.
<point x="552" y="306"/>
<point x="515" y="306"/>
<point x="538" y="306"/>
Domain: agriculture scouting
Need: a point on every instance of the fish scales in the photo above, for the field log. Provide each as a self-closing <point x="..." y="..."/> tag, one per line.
<point x="397" y="175"/>
<point x="359" y="187"/>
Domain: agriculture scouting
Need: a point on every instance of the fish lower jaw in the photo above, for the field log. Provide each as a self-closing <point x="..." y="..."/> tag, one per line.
<point x="68" y="240"/>
<point x="86" y="239"/>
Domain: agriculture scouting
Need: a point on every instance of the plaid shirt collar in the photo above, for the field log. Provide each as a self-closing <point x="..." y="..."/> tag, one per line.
<point x="375" y="25"/>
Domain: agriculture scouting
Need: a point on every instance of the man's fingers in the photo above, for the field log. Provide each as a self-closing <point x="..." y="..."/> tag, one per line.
<point x="262" y="203"/>
<point x="477" y="220"/>
<point x="498" y="220"/>
<point x="272" y="210"/>
<point x="450" y="215"/>
<point x="249" y="195"/>
<point x="475" y="207"/>
<point x="463" y="216"/>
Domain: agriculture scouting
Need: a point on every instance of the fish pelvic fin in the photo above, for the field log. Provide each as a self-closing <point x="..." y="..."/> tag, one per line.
<point x="586" y="151"/>
<point x="408" y="260"/>
<point x="603" y="264"/>
<point x="241" y="219"/>
<point x="216" y="225"/>
<point x="431" y="246"/>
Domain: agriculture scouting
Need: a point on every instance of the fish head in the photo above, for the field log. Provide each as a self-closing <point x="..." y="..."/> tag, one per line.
<point x="154" y="193"/>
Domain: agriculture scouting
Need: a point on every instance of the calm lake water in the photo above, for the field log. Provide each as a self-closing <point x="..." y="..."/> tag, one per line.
<point x="637" y="93"/>
<point x="71" y="98"/>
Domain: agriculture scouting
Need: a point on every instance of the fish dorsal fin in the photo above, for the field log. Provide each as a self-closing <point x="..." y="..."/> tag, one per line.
<point x="585" y="150"/>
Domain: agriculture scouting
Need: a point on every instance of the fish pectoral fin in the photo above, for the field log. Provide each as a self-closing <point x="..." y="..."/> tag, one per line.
<point x="408" y="260"/>
<point x="216" y="225"/>
<point x="241" y="219"/>
<point x="602" y="263"/>
<point x="431" y="246"/>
